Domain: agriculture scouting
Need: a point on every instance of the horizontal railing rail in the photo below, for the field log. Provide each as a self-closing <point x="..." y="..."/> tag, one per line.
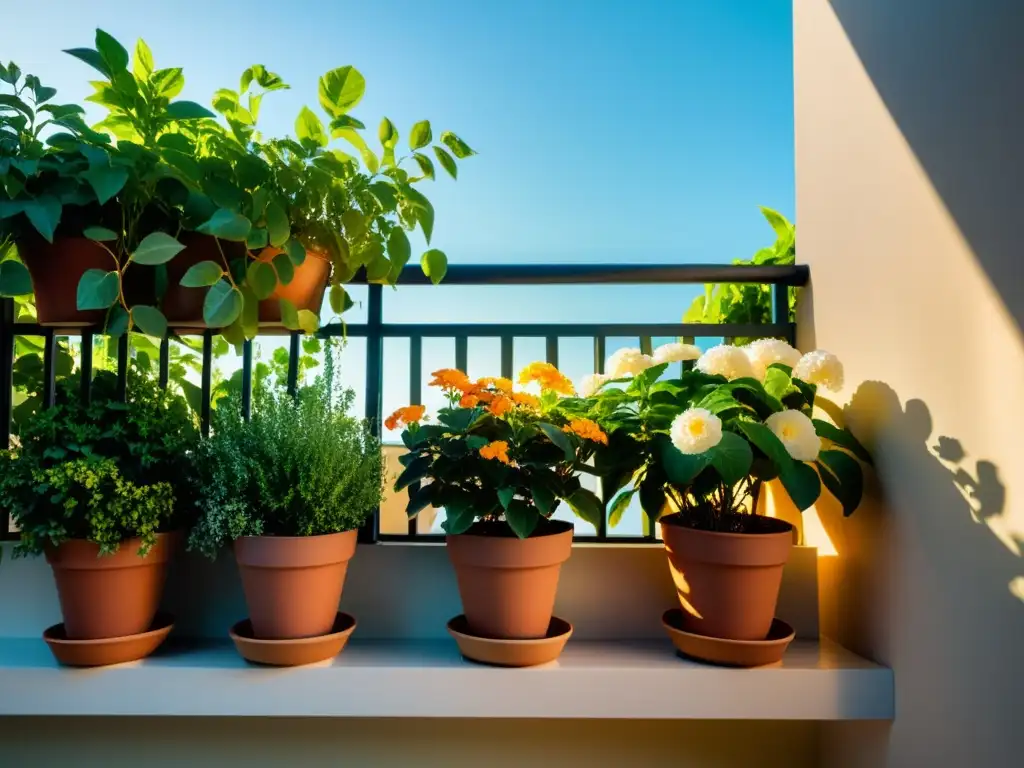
<point x="374" y="330"/>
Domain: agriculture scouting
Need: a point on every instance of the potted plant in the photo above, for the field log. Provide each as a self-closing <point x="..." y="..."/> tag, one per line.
<point x="288" y="490"/>
<point x="97" y="487"/>
<point x="499" y="461"/>
<point x="696" y="451"/>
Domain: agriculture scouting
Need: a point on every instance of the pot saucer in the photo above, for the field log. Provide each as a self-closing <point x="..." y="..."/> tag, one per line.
<point x="729" y="653"/>
<point x="292" y="652"/>
<point x="102" y="652"/>
<point x="511" y="653"/>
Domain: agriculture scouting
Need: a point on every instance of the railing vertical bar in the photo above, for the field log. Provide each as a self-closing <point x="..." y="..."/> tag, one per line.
<point x="85" y="367"/>
<point x="647" y="346"/>
<point x="165" y="362"/>
<point x="122" y="367"/>
<point x="461" y="352"/>
<point x="507" y="356"/>
<point x="599" y="354"/>
<point x="415" y="398"/>
<point x="247" y="379"/>
<point x="780" y="310"/>
<point x="6" y="389"/>
<point x="206" y="383"/>
<point x="293" y="363"/>
<point x="374" y="385"/>
<point x="689" y="364"/>
<point x="49" y="368"/>
<point x="551" y="350"/>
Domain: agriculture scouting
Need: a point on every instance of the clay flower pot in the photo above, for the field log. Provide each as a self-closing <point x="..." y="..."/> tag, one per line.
<point x="728" y="583"/>
<point x="305" y="291"/>
<point x="508" y="584"/>
<point x="183" y="307"/>
<point x="111" y="595"/>
<point x="55" y="269"/>
<point x="293" y="584"/>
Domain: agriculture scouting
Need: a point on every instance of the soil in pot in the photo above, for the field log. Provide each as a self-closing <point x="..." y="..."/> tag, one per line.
<point x="111" y="595"/>
<point x="183" y="307"/>
<point x="293" y="584"/>
<point x="305" y="290"/>
<point x="508" y="584"/>
<point x="727" y="579"/>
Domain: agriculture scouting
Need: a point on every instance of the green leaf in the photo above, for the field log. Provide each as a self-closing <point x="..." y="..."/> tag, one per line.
<point x="399" y="250"/>
<point x="157" y="248"/>
<point x="378" y="269"/>
<point x="257" y="239"/>
<point x="434" y="264"/>
<point x="458" y="147"/>
<point x="681" y="468"/>
<point x="117" y="321"/>
<point x="844" y="438"/>
<point x="652" y="496"/>
<point x="357" y="141"/>
<point x="149" y="320"/>
<point x="766" y="440"/>
<point x="167" y="83"/>
<point x="385" y="194"/>
<point x="413" y="473"/>
<point x="339" y="299"/>
<point x="309" y="128"/>
<point x="296" y="252"/>
<point x="801" y="483"/>
<point x="341" y="89"/>
<point x="559" y="438"/>
<point x="543" y="498"/>
<point x="262" y="279"/>
<point x="92" y="58"/>
<point x="420" y="499"/>
<point x="587" y="506"/>
<point x="619" y="507"/>
<point x="142" y="65"/>
<point x="420" y="135"/>
<point x="843" y="477"/>
<point x="388" y="134"/>
<point x="97" y="289"/>
<point x="14" y="279"/>
<point x="423" y="209"/>
<point x="278" y="225"/>
<point x="105" y="181"/>
<point x="284" y="267"/>
<point x="227" y="225"/>
<point x="506" y="496"/>
<point x="44" y="214"/>
<point x="778" y="222"/>
<point x="732" y="458"/>
<point x="308" y="321"/>
<point x="521" y="518"/>
<point x="112" y="52"/>
<point x="187" y="110"/>
<point x="777" y="382"/>
<point x="289" y="315"/>
<point x="222" y="305"/>
<point x="347" y="121"/>
<point x="99" y="234"/>
<point x="458" y="518"/>
<point x="447" y="162"/>
<point x="202" y="274"/>
<point x="10" y="100"/>
<point x="425" y="163"/>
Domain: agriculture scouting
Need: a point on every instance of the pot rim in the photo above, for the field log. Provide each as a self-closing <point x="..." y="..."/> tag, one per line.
<point x="668" y="521"/>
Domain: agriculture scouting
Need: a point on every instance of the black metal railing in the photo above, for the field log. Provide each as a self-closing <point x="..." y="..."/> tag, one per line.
<point x="375" y="330"/>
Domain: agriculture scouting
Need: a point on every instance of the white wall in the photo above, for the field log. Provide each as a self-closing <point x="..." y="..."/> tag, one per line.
<point x="910" y="160"/>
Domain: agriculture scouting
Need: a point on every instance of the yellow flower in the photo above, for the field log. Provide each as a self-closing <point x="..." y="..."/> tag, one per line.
<point x="451" y="380"/>
<point x="499" y="405"/>
<point x="526" y="400"/>
<point x="469" y="400"/>
<point x="549" y="378"/>
<point x="407" y="415"/>
<point x="499" y="383"/>
<point x="497" y="450"/>
<point x="587" y="429"/>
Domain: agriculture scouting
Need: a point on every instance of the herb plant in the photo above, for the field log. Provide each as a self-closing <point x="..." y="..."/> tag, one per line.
<point x="301" y="467"/>
<point x="498" y="460"/>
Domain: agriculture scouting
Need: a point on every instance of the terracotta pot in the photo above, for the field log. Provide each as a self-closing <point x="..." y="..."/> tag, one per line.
<point x="111" y="595"/>
<point x="55" y="269"/>
<point x="727" y="583"/>
<point x="293" y="584"/>
<point x="183" y="307"/>
<point x="305" y="291"/>
<point x="508" y="584"/>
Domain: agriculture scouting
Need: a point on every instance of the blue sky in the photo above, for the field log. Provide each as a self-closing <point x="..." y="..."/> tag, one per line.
<point x="607" y="131"/>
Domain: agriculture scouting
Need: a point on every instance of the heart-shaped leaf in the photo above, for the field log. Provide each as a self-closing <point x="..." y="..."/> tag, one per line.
<point x="420" y="135"/>
<point x="157" y="248"/>
<point x="149" y="320"/>
<point x="227" y="225"/>
<point x="262" y="279"/>
<point x="222" y="305"/>
<point x="435" y="265"/>
<point x="97" y="289"/>
<point x="14" y="279"/>
<point x="202" y="274"/>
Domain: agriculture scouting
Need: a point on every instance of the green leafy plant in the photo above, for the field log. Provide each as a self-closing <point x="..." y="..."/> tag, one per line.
<point x="747" y="303"/>
<point x="498" y="460"/>
<point x="702" y="444"/>
<point x="301" y="467"/>
<point x="107" y="470"/>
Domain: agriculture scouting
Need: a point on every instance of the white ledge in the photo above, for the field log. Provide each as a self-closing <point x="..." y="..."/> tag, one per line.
<point x="428" y="679"/>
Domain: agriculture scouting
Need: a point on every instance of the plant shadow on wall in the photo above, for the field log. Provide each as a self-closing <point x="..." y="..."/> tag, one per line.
<point x="949" y="513"/>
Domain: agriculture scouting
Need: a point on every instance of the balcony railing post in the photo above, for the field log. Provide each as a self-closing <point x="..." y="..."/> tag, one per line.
<point x="374" y="385"/>
<point x="6" y="388"/>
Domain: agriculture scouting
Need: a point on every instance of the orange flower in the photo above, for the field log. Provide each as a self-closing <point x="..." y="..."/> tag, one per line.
<point x="498" y="450"/>
<point x="499" y="383"/>
<point x="586" y="429"/>
<point x="469" y="400"/>
<point x="407" y="415"/>
<point x="548" y="377"/>
<point x="499" y="405"/>
<point x="451" y="380"/>
<point x="526" y="400"/>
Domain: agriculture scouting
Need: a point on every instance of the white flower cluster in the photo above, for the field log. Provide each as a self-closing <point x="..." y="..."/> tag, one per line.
<point x="796" y="432"/>
<point x="696" y="430"/>
<point x="725" y="360"/>
<point x="627" y="362"/>
<point x="591" y="384"/>
<point x="675" y="352"/>
<point x="821" y="368"/>
<point x="765" y="352"/>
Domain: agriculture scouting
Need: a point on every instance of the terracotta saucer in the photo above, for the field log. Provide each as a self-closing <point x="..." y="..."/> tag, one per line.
<point x="296" y="651"/>
<point x="110" y="650"/>
<point x="729" y="653"/>
<point x="511" y="653"/>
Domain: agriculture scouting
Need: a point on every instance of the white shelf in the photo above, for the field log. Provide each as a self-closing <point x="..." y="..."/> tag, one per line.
<point x="616" y="680"/>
